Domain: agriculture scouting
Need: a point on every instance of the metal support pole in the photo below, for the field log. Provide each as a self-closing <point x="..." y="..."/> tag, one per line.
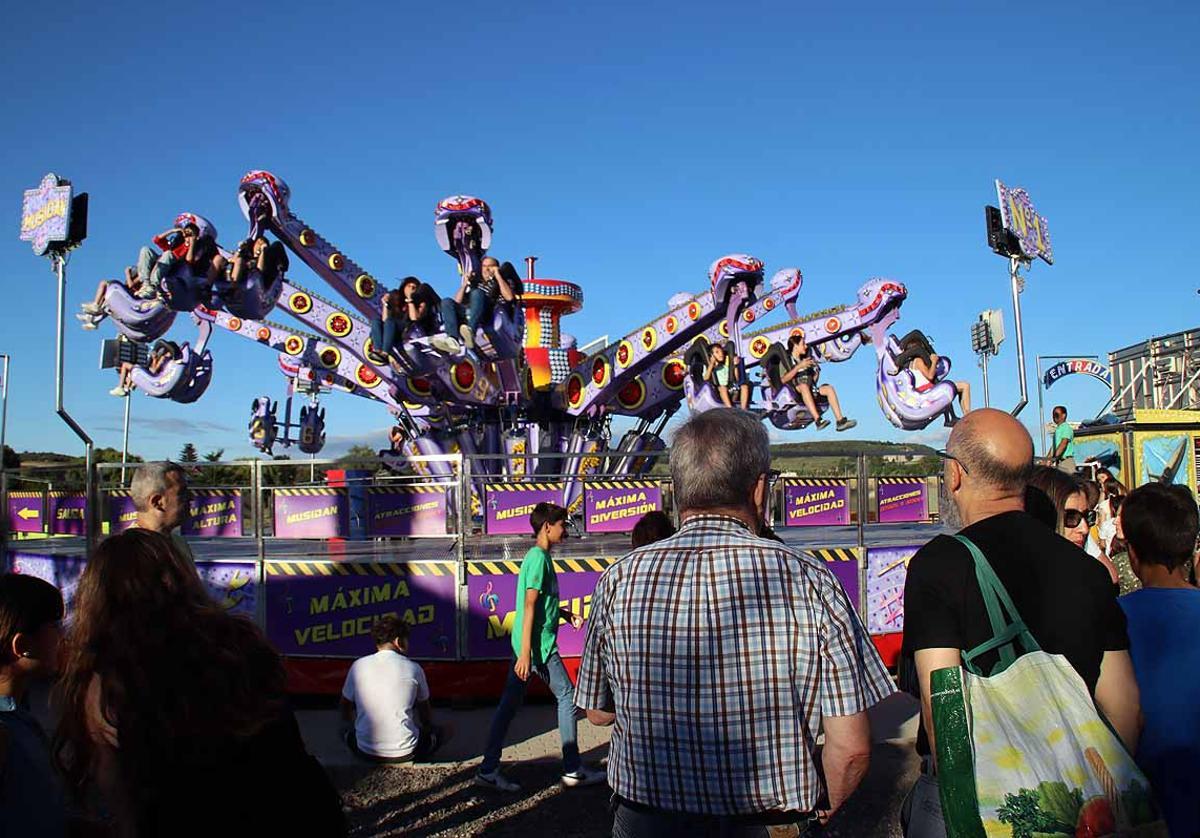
<point x="59" y="261"/>
<point x="125" y="438"/>
<point x="3" y="470"/>
<point x="1041" y="408"/>
<point x="987" y="396"/>
<point x="1014" y="263"/>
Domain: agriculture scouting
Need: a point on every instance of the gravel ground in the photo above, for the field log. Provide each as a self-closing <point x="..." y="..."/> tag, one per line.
<point x="441" y="801"/>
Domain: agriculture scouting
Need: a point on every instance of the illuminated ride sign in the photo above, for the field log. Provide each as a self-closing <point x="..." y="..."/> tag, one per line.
<point x="1020" y="218"/>
<point x="1077" y="366"/>
<point x="46" y="214"/>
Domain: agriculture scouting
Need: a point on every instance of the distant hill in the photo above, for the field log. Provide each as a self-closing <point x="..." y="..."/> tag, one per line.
<point x="849" y="448"/>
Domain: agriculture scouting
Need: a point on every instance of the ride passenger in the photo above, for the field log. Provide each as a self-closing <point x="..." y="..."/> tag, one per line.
<point x="724" y="372"/>
<point x="474" y="300"/>
<point x="163" y="352"/>
<point x="407" y="310"/>
<point x="802" y="378"/>
<point x="268" y="258"/>
<point x="917" y="356"/>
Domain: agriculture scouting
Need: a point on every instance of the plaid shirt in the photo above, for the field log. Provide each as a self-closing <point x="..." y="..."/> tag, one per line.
<point x="721" y="652"/>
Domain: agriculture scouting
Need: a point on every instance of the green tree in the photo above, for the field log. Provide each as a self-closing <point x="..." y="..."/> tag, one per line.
<point x="359" y="453"/>
<point x="11" y="458"/>
<point x="187" y="454"/>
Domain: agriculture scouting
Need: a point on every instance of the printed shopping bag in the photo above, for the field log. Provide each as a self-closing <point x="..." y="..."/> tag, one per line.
<point x="1022" y="750"/>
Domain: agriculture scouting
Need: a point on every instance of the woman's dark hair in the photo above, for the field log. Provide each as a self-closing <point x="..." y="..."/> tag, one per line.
<point x="1039" y="505"/>
<point x="182" y="681"/>
<point x="652" y="527"/>
<point x="794" y="341"/>
<point x="26" y="604"/>
<point x="1160" y="523"/>
<point x="388" y="628"/>
<point x="1059" y="487"/>
<point x="394" y="300"/>
<point x="546" y="513"/>
<point x="1092" y="489"/>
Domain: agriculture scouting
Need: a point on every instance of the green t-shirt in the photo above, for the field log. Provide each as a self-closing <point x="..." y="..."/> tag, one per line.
<point x="1062" y="432"/>
<point x="537" y="572"/>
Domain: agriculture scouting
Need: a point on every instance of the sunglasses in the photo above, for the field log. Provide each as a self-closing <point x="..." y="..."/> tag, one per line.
<point x="1073" y="518"/>
<point x="946" y="455"/>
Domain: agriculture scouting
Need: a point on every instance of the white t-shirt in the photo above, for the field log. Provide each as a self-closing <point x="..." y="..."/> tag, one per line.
<point x="385" y="687"/>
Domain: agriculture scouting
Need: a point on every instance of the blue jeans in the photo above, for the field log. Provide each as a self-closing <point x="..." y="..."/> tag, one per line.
<point x="476" y="308"/>
<point x="643" y="822"/>
<point x="555" y="674"/>
<point x="383" y="335"/>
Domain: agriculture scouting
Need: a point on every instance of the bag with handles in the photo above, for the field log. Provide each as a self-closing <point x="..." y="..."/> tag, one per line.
<point x="1022" y="750"/>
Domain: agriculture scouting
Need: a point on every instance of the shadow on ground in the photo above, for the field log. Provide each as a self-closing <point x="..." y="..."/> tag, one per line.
<point x="441" y="801"/>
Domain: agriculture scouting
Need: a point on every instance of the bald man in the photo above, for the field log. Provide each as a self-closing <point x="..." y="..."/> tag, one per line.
<point x="1068" y="601"/>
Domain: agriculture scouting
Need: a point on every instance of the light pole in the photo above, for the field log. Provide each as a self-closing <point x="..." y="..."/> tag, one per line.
<point x="987" y="333"/>
<point x="125" y="437"/>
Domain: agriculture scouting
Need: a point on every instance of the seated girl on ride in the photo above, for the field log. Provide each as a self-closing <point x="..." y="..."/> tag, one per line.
<point x="406" y="310"/>
<point x="268" y="258"/>
<point x="917" y="356"/>
<point x="724" y="371"/>
<point x="162" y="353"/>
<point x="802" y="378"/>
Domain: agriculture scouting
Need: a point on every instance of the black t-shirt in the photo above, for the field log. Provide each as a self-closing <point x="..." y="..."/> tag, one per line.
<point x="1066" y="597"/>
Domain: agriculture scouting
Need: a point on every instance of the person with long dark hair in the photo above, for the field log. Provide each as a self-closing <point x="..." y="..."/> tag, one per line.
<point x="1071" y="508"/>
<point x="176" y="711"/>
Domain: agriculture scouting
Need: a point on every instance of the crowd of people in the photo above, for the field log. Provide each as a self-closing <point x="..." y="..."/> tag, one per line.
<point x="718" y="654"/>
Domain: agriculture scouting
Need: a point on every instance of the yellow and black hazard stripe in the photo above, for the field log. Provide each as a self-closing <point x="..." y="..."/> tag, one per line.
<point x="501" y="567"/>
<point x="290" y="568"/>
<point x="405" y="490"/>
<point x="519" y="487"/>
<point x="77" y="493"/>
<point x="322" y="492"/>
<point x="115" y="493"/>
<point x="623" y="484"/>
<point x="24" y="494"/>
<point x="836" y="554"/>
<point x="884" y="481"/>
<point x="814" y="481"/>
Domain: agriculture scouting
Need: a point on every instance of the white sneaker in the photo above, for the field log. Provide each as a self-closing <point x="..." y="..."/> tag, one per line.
<point x="468" y="336"/>
<point x="89" y="326"/>
<point x="118" y="391"/>
<point x="91" y="308"/>
<point x="85" y="317"/>
<point x="584" y="776"/>
<point x="445" y="343"/>
<point x="496" y="780"/>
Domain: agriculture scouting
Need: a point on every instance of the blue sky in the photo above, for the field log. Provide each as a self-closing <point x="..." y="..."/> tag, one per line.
<point x="627" y="145"/>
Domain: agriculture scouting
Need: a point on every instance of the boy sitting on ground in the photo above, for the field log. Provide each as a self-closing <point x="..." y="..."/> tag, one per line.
<point x="386" y="697"/>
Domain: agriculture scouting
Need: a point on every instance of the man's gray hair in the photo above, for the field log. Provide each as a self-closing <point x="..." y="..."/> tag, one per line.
<point x="151" y="479"/>
<point x="717" y="457"/>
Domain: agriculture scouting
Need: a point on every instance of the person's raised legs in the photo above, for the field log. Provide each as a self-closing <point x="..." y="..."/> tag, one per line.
<point x="806" y="398"/>
<point x="843" y="424"/>
<point x="723" y="392"/>
<point x="964" y="395"/>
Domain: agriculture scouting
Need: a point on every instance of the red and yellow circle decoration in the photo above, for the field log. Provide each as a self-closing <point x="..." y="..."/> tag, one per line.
<point x="574" y="390"/>
<point x="294" y="345"/>
<point x="748" y="315"/>
<point x="364" y="286"/>
<point x="367" y="377"/>
<point x="769" y="303"/>
<point x="263" y="334"/>
<point x="327" y="380"/>
<point x="649" y="338"/>
<point x="330" y="357"/>
<point x="832" y="325"/>
<point x="234" y="324"/>
<point x="300" y="303"/>
<point x="420" y="385"/>
<point x="601" y="371"/>
<point x="693" y="310"/>
<point x="624" y="354"/>
<point x="759" y="347"/>
<point x="308" y="238"/>
<point x="338" y="325"/>
<point x="671" y="325"/>
<point x="631" y="396"/>
<point x="336" y="261"/>
<point x="462" y="376"/>
<point x="723" y="329"/>
<point x="673" y="374"/>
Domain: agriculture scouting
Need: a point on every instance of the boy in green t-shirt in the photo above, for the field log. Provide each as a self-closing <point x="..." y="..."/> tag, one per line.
<point x="535" y="649"/>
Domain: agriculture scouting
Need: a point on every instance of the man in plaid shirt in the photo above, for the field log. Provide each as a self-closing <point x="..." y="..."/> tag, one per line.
<point x="720" y="656"/>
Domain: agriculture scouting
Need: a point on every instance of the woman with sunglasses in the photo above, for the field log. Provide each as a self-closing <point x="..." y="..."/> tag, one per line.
<point x="1070" y="502"/>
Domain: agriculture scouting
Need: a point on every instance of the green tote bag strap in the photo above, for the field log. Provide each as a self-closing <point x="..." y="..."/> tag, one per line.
<point x="1006" y="631"/>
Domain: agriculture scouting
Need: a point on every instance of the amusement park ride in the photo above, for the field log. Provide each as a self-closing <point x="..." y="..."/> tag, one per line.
<point x="525" y="390"/>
